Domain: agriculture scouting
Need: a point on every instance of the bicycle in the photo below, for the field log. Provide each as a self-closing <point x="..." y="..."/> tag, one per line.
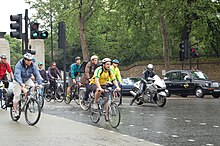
<point x="39" y="96"/>
<point x="85" y="105"/>
<point x="6" y="94"/>
<point x="56" y="94"/>
<point x="116" y="95"/>
<point x="29" y="105"/>
<point x="113" y="114"/>
<point x="74" y="94"/>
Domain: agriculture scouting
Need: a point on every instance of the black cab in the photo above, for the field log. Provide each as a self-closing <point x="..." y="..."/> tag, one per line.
<point x="189" y="82"/>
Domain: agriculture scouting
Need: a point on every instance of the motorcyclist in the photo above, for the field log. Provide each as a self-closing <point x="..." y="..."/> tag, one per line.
<point x="149" y="72"/>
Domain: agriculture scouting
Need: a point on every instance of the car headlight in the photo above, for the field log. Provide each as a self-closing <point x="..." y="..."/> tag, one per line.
<point x="206" y="85"/>
<point x="215" y="84"/>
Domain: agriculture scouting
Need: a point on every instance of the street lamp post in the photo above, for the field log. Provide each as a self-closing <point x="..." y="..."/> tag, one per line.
<point x="51" y="32"/>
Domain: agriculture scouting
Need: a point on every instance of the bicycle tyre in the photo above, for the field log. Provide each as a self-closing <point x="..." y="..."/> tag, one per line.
<point x="114" y="115"/>
<point x="86" y="105"/>
<point x="19" y="112"/>
<point x="40" y="100"/>
<point x="95" y="115"/>
<point x="59" y="94"/>
<point x="47" y="94"/>
<point x="32" y="102"/>
<point x="117" y="98"/>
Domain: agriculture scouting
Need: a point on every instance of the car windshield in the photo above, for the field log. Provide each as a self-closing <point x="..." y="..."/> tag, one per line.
<point x="198" y="75"/>
<point x="130" y="81"/>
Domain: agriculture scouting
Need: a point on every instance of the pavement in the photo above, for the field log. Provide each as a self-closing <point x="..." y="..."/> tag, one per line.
<point x="56" y="131"/>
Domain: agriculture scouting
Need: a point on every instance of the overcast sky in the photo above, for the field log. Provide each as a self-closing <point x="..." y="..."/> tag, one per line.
<point x="12" y="7"/>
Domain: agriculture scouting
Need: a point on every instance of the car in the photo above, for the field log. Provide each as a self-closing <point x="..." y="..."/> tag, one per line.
<point x="128" y="84"/>
<point x="190" y="82"/>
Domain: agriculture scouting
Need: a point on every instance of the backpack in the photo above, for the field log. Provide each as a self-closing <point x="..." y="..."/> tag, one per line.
<point x="69" y="74"/>
<point x="83" y="66"/>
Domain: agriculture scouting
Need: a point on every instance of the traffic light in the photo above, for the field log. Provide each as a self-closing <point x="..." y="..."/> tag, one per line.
<point x="35" y="33"/>
<point x="17" y="26"/>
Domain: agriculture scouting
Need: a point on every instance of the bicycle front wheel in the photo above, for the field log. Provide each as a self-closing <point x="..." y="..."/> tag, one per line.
<point x="117" y="98"/>
<point x="95" y="115"/>
<point x="85" y="105"/>
<point x="114" y="115"/>
<point x="12" y="114"/>
<point x="32" y="112"/>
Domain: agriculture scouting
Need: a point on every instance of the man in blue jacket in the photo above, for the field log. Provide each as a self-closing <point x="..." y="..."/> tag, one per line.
<point x="24" y="69"/>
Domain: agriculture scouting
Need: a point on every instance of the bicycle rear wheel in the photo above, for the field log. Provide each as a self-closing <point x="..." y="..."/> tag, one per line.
<point x="95" y="115"/>
<point x="117" y="98"/>
<point x="32" y="112"/>
<point x="114" y="115"/>
<point x="40" y="100"/>
<point x="59" y="94"/>
<point x="18" y="110"/>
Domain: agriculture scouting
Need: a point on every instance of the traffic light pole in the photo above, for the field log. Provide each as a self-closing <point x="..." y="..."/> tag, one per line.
<point x="26" y="30"/>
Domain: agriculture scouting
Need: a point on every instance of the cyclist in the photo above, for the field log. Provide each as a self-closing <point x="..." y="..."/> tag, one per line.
<point x="5" y="67"/>
<point x="53" y="73"/>
<point x="117" y="73"/>
<point x="43" y="75"/>
<point x="147" y="73"/>
<point x="89" y="71"/>
<point x="99" y="81"/>
<point x="74" y="75"/>
<point x="22" y="76"/>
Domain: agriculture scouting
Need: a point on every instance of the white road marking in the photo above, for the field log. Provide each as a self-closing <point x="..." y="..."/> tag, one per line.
<point x="216" y="126"/>
<point x="141" y="140"/>
<point x="141" y="113"/>
<point x="209" y="144"/>
<point x="188" y="121"/>
<point x="101" y="128"/>
<point x="145" y="129"/>
<point x="159" y="132"/>
<point x="131" y="125"/>
<point x="111" y="131"/>
<point x="151" y="115"/>
<point x="131" y="111"/>
<point x="191" y="140"/>
<point x="202" y="124"/>
<point x="175" y="118"/>
<point x="124" y="135"/>
<point x="174" y="136"/>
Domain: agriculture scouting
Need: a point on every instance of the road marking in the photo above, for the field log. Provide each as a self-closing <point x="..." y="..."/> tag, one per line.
<point x="101" y="128"/>
<point x="145" y="129"/>
<point x="151" y="115"/>
<point x="203" y="124"/>
<point x="216" y="126"/>
<point x="125" y="135"/>
<point x="141" y="113"/>
<point x="175" y="118"/>
<point x="131" y="111"/>
<point x="111" y="131"/>
<point x="188" y="121"/>
<point x="81" y="114"/>
<point x="174" y="136"/>
<point x="159" y="132"/>
<point x="191" y="140"/>
<point x="209" y="144"/>
<point x="131" y="125"/>
<point x="157" y="144"/>
<point x="141" y="140"/>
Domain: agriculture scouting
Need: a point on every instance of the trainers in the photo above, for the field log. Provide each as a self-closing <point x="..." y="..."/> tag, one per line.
<point x="95" y="106"/>
<point x="16" y="115"/>
<point x="106" y="117"/>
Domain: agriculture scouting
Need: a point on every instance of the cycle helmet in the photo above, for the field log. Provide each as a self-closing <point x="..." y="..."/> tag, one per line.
<point x="106" y="60"/>
<point x="115" y="61"/>
<point x="28" y="56"/>
<point x="3" y="56"/>
<point x="150" y="66"/>
<point x="94" y="57"/>
<point x="77" y="58"/>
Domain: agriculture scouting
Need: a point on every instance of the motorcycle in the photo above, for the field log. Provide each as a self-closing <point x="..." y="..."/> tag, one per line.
<point x="155" y="91"/>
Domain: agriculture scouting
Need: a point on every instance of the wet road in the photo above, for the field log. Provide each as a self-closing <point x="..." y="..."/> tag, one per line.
<point x="183" y="121"/>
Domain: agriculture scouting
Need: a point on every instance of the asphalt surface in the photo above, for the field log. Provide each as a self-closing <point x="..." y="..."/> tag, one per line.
<point x="183" y="121"/>
<point x="56" y="131"/>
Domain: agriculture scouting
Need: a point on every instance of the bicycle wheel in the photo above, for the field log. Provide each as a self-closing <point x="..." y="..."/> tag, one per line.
<point x="40" y="100"/>
<point x="95" y="115"/>
<point x="18" y="110"/>
<point x="85" y="105"/>
<point x="117" y="98"/>
<point x="114" y="115"/>
<point x="59" y="94"/>
<point x="32" y="112"/>
<point x="47" y="94"/>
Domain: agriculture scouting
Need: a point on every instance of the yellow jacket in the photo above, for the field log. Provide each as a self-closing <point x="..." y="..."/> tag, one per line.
<point x="117" y="73"/>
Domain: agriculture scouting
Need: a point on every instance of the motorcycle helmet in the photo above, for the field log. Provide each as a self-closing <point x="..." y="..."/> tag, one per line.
<point x="150" y="66"/>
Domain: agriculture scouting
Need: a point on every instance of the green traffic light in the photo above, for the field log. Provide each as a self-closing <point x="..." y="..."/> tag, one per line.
<point x="35" y="34"/>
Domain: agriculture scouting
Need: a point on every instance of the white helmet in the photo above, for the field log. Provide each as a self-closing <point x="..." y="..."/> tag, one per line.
<point x="28" y="56"/>
<point x="106" y="60"/>
<point x="94" y="57"/>
<point x="150" y="66"/>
